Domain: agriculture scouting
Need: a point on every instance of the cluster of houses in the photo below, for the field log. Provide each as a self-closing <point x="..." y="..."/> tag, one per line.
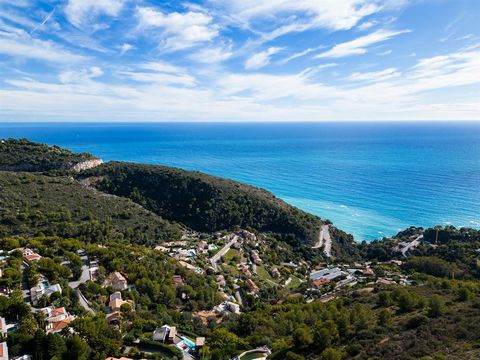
<point x="116" y="304"/>
<point x="343" y="275"/>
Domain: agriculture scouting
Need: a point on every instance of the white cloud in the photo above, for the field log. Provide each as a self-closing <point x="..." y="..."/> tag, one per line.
<point x="359" y="45"/>
<point x="21" y="45"/>
<point x="125" y="47"/>
<point x="211" y="55"/>
<point x="161" y="73"/>
<point x="180" y="30"/>
<point x="261" y="59"/>
<point x="385" y="53"/>
<point x="298" y="55"/>
<point x="68" y="77"/>
<point x="366" y="25"/>
<point x="80" y="12"/>
<point x="328" y="14"/>
<point x="375" y="76"/>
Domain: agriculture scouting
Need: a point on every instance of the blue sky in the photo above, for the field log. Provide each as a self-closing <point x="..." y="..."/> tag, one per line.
<point x="239" y="60"/>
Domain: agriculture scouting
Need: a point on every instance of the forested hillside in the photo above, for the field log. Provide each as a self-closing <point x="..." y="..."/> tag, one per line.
<point x="33" y="203"/>
<point x="24" y="155"/>
<point x="204" y="202"/>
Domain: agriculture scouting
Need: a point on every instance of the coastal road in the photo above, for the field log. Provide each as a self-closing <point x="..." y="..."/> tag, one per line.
<point x="412" y="245"/>
<point x="216" y="258"/>
<point x="324" y="240"/>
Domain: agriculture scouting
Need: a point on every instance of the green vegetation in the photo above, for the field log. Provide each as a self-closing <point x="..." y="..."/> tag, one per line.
<point x="24" y="155"/>
<point x="204" y="202"/>
<point x="61" y="206"/>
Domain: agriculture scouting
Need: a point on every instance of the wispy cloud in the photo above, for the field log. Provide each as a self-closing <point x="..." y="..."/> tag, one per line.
<point x="375" y="76"/>
<point x="366" y="25"/>
<point x="22" y="46"/>
<point x="261" y="59"/>
<point x="359" y="46"/>
<point x="299" y="55"/>
<point x="212" y="55"/>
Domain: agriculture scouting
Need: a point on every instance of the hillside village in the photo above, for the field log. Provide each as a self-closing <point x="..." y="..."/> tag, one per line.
<point x="234" y="259"/>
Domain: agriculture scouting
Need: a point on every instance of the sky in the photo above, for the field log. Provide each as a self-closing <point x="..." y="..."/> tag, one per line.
<point x="239" y="60"/>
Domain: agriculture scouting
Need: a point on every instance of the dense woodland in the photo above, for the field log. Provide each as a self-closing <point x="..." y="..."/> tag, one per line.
<point x="437" y="317"/>
<point x="206" y="203"/>
<point x="24" y="155"/>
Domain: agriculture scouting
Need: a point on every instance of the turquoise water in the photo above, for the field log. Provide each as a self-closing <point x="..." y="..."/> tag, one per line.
<point x="370" y="179"/>
<point x="188" y="342"/>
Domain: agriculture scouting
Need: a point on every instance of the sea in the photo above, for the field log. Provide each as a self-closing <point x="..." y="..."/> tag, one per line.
<point x="371" y="179"/>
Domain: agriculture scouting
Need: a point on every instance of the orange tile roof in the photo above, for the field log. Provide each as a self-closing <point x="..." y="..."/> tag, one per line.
<point x="56" y="312"/>
<point x="60" y="325"/>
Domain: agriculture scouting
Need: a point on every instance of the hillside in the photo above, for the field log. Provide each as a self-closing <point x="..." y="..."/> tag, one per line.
<point x="206" y="203"/>
<point x="24" y="155"/>
<point x="33" y="203"/>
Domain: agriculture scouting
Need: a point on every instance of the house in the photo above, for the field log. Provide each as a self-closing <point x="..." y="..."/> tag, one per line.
<point x="30" y="255"/>
<point x="113" y="318"/>
<point x="43" y="289"/>
<point x="116" y="302"/>
<point x="199" y="342"/>
<point x="54" y="314"/>
<point x="251" y="285"/>
<point x="121" y="358"/>
<point x="117" y="281"/>
<point x="3" y="326"/>
<point x="385" y="282"/>
<point x="172" y="334"/>
<point x="160" y="333"/>
<point x="227" y="307"/>
<point x="116" y="295"/>
<point x="368" y="272"/>
<point x="256" y="258"/>
<point x="58" y="326"/>
<point x="327" y="273"/>
<point x="318" y="283"/>
<point x="3" y="351"/>
<point x="202" y="247"/>
<point x="234" y="308"/>
<point x="57" y="319"/>
<point x="221" y="281"/>
<point x="275" y="273"/>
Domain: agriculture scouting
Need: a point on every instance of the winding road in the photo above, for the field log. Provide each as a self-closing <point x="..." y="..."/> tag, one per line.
<point x="324" y="240"/>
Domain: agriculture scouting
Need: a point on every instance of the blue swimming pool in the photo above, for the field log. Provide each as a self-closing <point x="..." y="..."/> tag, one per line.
<point x="188" y="342"/>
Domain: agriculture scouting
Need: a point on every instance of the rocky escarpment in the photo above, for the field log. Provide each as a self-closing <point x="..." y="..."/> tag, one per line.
<point x="87" y="164"/>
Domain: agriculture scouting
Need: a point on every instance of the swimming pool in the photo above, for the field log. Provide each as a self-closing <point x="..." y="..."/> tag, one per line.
<point x="188" y="342"/>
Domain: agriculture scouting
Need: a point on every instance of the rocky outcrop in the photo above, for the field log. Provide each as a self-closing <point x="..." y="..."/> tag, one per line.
<point x="87" y="164"/>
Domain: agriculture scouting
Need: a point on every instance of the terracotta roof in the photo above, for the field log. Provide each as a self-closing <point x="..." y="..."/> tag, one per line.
<point x="56" y="312"/>
<point x="60" y="325"/>
<point x="32" y="257"/>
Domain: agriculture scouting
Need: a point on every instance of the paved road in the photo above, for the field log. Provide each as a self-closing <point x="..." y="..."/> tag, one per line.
<point x="216" y="258"/>
<point x="84" y="277"/>
<point x="324" y="240"/>
<point x="412" y="245"/>
<point x="83" y="302"/>
<point x="327" y="249"/>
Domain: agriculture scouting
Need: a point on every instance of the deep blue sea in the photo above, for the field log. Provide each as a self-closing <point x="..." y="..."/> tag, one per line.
<point x="370" y="179"/>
